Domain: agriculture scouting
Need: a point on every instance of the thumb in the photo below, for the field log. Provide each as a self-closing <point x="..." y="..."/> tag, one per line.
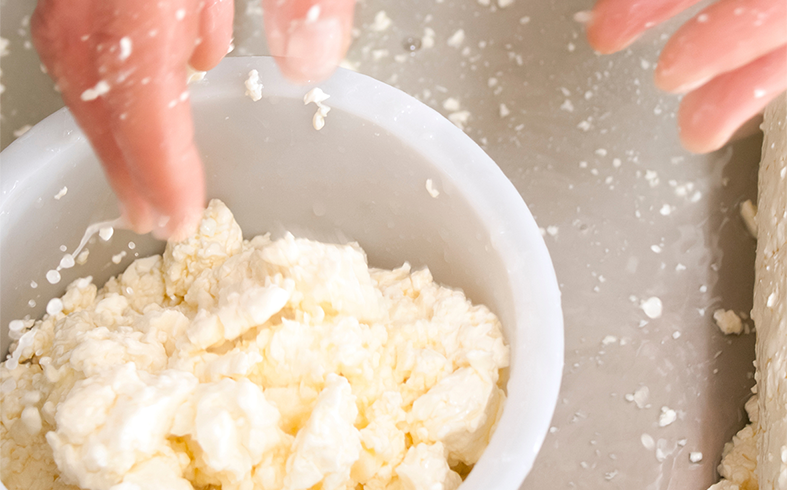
<point x="308" y="38"/>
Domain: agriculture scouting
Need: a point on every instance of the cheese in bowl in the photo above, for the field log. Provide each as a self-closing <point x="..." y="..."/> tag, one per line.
<point x="252" y="364"/>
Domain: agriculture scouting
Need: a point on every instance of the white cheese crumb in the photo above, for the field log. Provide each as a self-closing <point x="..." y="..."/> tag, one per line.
<point x="457" y="38"/>
<point x="652" y="307"/>
<point x="676" y="335"/>
<point x="647" y="441"/>
<point x="667" y="416"/>
<point x="254" y="86"/>
<point x="504" y="111"/>
<point x="640" y="397"/>
<point x="459" y="118"/>
<point x="106" y="233"/>
<point x="431" y="189"/>
<point x="54" y="306"/>
<point x="53" y="276"/>
<point x="748" y="212"/>
<point x="583" y="16"/>
<point x="67" y="261"/>
<point x="451" y="104"/>
<point x="62" y="192"/>
<point x="125" y="48"/>
<point x="568" y="106"/>
<point x="524" y="20"/>
<point x="695" y="456"/>
<point x="101" y="88"/>
<point x="665" y="210"/>
<point x="117" y="258"/>
<point x="24" y="129"/>
<point x="82" y="257"/>
<point x="427" y="40"/>
<point x="552" y="230"/>
<point x="317" y="96"/>
<point x="728" y="321"/>
<point x="609" y="339"/>
<point x="505" y="3"/>
<point x="381" y="22"/>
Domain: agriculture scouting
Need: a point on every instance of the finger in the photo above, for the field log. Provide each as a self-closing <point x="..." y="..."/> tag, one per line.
<point x="308" y="38"/>
<point x="725" y="36"/>
<point x="615" y="24"/>
<point x="710" y="115"/>
<point x="215" y="34"/>
<point x="60" y="31"/>
<point x="150" y="116"/>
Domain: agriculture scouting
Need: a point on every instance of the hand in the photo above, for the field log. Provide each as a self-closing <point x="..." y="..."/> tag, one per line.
<point x="121" y="66"/>
<point x="730" y="59"/>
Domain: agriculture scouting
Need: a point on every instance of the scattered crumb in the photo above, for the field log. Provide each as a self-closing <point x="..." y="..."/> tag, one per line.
<point x="652" y="307"/>
<point x="24" y="129"/>
<point x="552" y="230"/>
<point x="667" y="416"/>
<point x="100" y="89"/>
<point x="451" y="104"/>
<point x="728" y="321"/>
<point x="609" y="339"/>
<point x="431" y="189"/>
<point x="62" y="192"/>
<point x="317" y="96"/>
<point x="695" y="456"/>
<point x="504" y="111"/>
<point x="381" y="22"/>
<point x="118" y="257"/>
<point x="457" y="38"/>
<point x="254" y="86"/>
<point x="647" y="441"/>
<point x="639" y="397"/>
<point x="459" y="118"/>
<point x="748" y="212"/>
<point x="505" y="3"/>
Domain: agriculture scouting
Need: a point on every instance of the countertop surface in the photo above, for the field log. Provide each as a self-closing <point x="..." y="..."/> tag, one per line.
<point x="628" y="215"/>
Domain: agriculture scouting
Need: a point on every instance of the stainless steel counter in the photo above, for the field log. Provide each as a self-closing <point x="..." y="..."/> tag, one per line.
<point x="627" y="215"/>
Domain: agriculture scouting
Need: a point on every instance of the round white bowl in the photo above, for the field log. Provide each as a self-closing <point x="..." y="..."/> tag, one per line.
<point x="362" y="177"/>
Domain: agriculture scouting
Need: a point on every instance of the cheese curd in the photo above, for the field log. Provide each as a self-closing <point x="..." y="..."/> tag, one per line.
<point x="251" y="364"/>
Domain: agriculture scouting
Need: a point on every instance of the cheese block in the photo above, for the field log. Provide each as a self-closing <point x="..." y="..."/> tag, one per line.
<point x="770" y="300"/>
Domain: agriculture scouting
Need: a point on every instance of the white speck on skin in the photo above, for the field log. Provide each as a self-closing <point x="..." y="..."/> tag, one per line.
<point x="759" y="93"/>
<point x="180" y="14"/>
<point x="24" y="129"/>
<point x="702" y="18"/>
<point x="695" y="456"/>
<point x="53" y="276"/>
<point x="647" y="441"/>
<point x="101" y="88"/>
<point x="667" y="416"/>
<point x="457" y="38"/>
<point x="317" y="96"/>
<point x="504" y="111"/>
<point x="313" y="14"/>
<point x="430" y="188"/>
<point x="254" y="86"/>
<point x="381" y="21"/>
<point x="652" y="307"/>
<point x="125" y="48"/>
<point x="106" y="233"/>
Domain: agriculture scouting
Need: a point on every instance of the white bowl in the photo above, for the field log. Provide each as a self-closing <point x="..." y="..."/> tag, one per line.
<point x="362" y="177"/>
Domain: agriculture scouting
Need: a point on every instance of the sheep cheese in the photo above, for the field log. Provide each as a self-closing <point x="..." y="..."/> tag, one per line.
<point x="236" y="364"/>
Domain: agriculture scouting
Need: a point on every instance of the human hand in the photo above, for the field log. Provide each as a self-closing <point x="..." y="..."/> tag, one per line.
<point x="121" y="66"/>
<point x="730" y="59"/>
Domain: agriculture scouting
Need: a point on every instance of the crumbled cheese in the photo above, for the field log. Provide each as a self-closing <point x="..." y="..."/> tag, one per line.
<point x="457" y="38"/>
<point x="667" y="416"/>
<point x="62" y="192"/>
<point x="381" y="22"/>
<point x="652" y="307"/>
<point x="430" y="188"/>
<point x="254" y="86"/>
<point x="232" y="363"/>
<point x="695" y="456"/>
<point x="728" y="321"/>
<point x="317" y="96"/>
<point x="748" y="212"/>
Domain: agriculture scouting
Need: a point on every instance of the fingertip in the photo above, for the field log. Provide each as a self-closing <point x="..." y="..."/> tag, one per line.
<point x="215" y="34"/>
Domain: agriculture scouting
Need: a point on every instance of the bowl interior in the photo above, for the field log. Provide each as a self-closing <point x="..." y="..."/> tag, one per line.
<point x="362" y="177"/>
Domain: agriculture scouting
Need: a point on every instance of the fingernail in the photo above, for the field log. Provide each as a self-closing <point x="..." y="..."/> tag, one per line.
<point x="313" y="49"/>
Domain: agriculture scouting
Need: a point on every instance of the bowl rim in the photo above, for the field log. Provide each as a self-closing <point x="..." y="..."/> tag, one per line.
<point x="475" y="175"/>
